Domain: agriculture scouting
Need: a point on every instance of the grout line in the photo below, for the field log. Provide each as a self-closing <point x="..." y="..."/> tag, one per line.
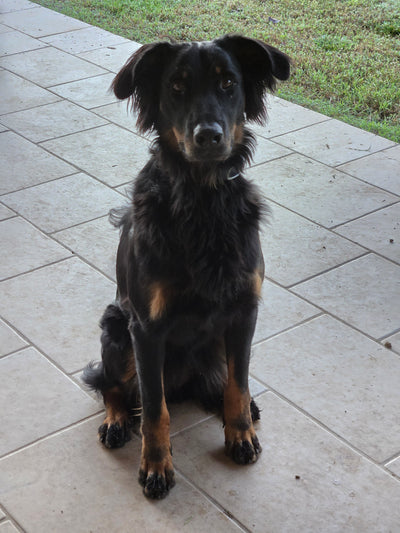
<point x="73" y="173"/>
<point x="213" y="501"/>
<point x="365" y="215"/>
<point x="69" y="376"/>
<point x="325" y="312"/>
<point x="347" y="173"/>
<point x="40" y="267"/>
<point x="13" y="521"/>
<point x="397" y="330"/>
<point x="290" y="287"/>
<point x="343" y="440"/>
<point x="273" y="159"/>
<point x="273" y="137"/>
<point x="340" y="265"/>
<point x="391" y="459"/>
<point x="319" y="313"/>
<point x="191" y="426"/>
<point x="315" y="222"/>
<point x="54" y="233"/>
<point x="52" y="434"/>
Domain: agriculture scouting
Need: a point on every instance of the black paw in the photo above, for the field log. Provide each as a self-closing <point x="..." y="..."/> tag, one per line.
<point x="155" y="485"/>
<point x="114" y="435"/>
<point x="244" y="451"/>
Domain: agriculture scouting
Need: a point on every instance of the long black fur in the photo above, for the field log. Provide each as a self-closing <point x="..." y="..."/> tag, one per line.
<point x="190" y="233"/>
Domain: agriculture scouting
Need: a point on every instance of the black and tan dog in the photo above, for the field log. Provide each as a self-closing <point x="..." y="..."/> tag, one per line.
<point x="189" y="263"/>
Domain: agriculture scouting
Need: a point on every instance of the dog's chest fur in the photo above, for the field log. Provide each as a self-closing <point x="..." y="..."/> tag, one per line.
<point x="199" y="235"/>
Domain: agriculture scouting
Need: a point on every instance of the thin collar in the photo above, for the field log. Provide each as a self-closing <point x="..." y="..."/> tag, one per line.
<point x="232" y="174"/>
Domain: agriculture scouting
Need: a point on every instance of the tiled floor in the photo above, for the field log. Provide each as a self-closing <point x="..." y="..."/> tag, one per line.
<point x="326" y="378"/>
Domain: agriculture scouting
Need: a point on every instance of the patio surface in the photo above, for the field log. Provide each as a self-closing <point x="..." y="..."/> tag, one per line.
<point x="328" y="386"/>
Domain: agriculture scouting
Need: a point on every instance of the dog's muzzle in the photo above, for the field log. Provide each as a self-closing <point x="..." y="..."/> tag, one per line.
<point x="208" y="143"/>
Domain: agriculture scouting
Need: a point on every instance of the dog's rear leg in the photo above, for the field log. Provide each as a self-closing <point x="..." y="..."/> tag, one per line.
<point x="115" y="430"/>
<point x="115" y="377"/>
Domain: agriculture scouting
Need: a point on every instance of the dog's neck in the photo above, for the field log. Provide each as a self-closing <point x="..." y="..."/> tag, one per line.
<point x="208" y="174"/>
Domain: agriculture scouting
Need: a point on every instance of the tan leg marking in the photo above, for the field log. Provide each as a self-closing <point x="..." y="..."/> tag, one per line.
<point x="159" y="296"/>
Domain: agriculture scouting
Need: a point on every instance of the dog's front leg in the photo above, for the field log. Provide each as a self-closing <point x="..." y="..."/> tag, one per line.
<point x="156" y="473"/>
<point x="241" y="442"/>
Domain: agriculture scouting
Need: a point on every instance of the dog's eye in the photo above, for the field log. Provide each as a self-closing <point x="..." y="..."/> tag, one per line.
<point x="178" y="87"/>
<point x="226" y="83"/>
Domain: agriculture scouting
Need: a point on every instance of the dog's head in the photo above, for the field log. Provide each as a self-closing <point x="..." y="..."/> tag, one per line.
<point x="197" y="95"/>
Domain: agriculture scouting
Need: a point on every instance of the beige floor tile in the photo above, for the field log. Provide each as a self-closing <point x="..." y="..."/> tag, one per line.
<point x="17" y="94"/>
<point x="335" y="488"/>
<point x="83" y="40"/>
<point x="283" y="116"/>
<point x="62" y="203"/>
<point x="97" y="490"/>
<point x="10" y="341"/>
<point x="58" y="308"/>
<point x="120" y="113"/>
<point x="54" y="401"/>
<point x="378" y="231"/>
<point x="7" y="6"/>
<point x="279" y="309"/>
<point x="365" y="293"/>
<point x="267" y="150"/>
<point x="80" y="239"/>
<point x="88" y="93"/>
<point x="256" y="387"/>
<point x="341" y="378"/>
<point x="381" y="169"/>
<point x="295" y="249"/>
<point x="108" y="153"/>
<point x="334" y="142"/>
<point x="36" y="166"/>
<point x="27" y="248"/>
<point x="48" y="66"/>
<point x="112" y="58"/>
<point x="14" y="42"/>
<point x="40" y="22"/>
<point x="320" y="193"/>
<point x="5" y="212"/>
<point x="52" y="120"/>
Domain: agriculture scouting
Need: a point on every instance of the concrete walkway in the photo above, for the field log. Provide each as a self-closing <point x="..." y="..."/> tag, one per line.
<point x="326" y="377"/>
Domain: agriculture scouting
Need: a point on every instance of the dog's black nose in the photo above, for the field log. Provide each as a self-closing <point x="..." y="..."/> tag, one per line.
<point x="207" y="135"/>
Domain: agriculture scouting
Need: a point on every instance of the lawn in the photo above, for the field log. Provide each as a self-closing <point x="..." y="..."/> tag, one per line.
<point x="346" y="53"/>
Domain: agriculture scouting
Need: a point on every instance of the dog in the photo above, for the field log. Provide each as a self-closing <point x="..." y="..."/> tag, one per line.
<point x="189" y="262"/>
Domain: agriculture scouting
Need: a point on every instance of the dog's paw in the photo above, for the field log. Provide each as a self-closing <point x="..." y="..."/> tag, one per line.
<point x="157" y="478"/>
<point x="242" y="446"/>
<point x="114" y="435"/>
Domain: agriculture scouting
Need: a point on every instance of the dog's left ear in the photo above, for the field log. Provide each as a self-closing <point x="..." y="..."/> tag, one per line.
<point x="261" y="66"/>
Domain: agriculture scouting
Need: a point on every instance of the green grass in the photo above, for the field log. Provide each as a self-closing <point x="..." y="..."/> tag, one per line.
<point x="346" y="53"/>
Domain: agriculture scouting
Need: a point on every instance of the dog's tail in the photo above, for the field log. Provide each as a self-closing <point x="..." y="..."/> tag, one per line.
<point x="94" y="377"/>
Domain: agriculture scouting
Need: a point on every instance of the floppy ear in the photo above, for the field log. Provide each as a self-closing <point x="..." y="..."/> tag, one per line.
<point x="261" y="66"/>
<point x="140" y="80"/>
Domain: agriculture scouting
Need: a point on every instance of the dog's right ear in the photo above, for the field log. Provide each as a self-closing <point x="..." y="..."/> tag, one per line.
<point x="140" y="80"/>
